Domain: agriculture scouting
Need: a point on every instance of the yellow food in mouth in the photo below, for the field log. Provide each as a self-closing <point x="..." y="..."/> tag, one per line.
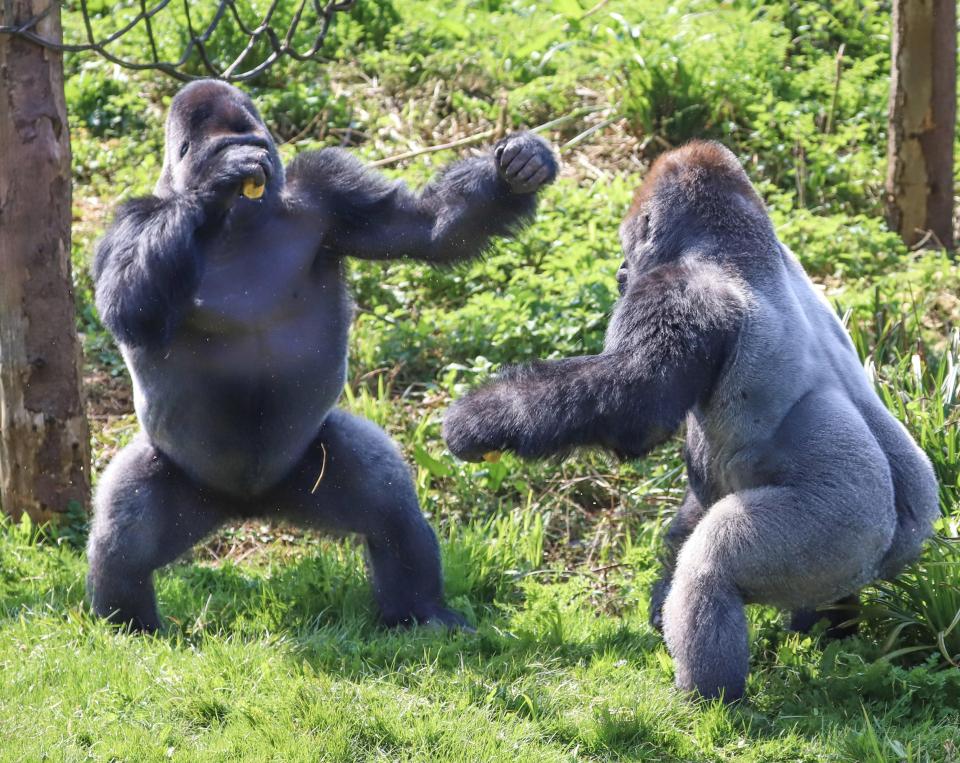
<point x="492" y="457"/>
<point x="253" y="189"/>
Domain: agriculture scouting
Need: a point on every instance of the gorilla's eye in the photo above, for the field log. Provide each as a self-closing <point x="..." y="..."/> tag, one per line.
<point x="184" y="147"/>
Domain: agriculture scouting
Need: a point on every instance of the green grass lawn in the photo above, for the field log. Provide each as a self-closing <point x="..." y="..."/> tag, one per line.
<point x="272" y="650"/>
<point x="278" y="657"/>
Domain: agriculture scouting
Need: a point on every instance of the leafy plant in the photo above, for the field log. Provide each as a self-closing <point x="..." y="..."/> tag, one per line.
<point x="920" y="610"/>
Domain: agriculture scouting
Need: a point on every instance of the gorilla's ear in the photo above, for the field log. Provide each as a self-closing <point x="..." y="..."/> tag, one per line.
<point x="634" y="230"/>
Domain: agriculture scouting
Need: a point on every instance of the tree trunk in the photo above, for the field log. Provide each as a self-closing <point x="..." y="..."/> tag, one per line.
<point x="923" y="103"/>
<point x="44" y="439"/>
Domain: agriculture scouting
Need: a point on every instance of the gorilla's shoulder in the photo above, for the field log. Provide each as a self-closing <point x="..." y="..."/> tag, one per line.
<point x="334" y="173"/>
<point x="328" y="159"/>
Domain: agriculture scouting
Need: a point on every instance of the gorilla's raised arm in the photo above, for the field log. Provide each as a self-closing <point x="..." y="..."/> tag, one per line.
<point x="147" y="266"/>
<point x="453" y="218"/>
<point x="665" y="346"/>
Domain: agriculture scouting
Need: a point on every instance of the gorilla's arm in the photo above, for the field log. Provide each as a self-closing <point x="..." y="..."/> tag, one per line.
<point x="453" y="218"/>
<point x="147" y="267"/>
<point x="665" y="346"/>
<point x="547" y="408"/>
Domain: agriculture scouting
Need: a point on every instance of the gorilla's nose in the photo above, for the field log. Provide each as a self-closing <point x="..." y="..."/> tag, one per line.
<point x="251" y="140"/>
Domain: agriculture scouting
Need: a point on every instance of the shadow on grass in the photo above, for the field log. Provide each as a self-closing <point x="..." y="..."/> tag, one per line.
<point x="322" y="606"/>
<point x="534" y="640"/>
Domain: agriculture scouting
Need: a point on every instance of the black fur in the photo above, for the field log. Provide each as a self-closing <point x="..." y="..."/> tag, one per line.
<point x="233" y="317"/>
<point x="802" y="486"/>
<point x="661" y="356"/>
<point x="148" y="268"/>
<point x="469" y="203"/>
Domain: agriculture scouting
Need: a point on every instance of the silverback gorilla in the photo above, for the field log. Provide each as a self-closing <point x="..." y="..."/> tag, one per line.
<point x="802" y="487"/>
<point x="232" y="315"/>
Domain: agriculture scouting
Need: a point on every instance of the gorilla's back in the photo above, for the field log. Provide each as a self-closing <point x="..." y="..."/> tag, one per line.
<point x="795" y="406"/>
<point x="916" y="494"/>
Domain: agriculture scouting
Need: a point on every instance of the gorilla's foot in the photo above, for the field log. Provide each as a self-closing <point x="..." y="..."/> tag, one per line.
<point x="134" y="619"/>
<point x="441" y="617"/>
<point x="436" y="616"/>
<point x="840" y="617"/>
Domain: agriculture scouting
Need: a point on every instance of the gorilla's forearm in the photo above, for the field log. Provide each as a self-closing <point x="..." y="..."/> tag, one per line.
<point x="549" y="407"/>
<point x="484" y="197"/>
<point x="453" y="218"/>
<point x="466" y="207"/>
<point x="147" y="267"/>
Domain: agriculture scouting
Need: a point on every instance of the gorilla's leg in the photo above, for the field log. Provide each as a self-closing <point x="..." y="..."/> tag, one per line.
<point x="771" y="545"/>
<point x="689" y="513"/>
<point x="836" y="615"/>
<point x="705" y="627"/>
<point x="147" y="513"/>
<point x="367" y="489"/>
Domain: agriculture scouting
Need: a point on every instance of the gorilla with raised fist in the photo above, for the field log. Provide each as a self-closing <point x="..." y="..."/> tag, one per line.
<point x="802" y="487"/>
<point x="225" y="291"/>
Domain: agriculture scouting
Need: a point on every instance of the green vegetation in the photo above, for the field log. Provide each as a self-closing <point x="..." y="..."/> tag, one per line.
<point x="272" y="652"/>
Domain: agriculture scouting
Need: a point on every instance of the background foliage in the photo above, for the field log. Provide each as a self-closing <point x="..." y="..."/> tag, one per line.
<point x="272" y="650"/>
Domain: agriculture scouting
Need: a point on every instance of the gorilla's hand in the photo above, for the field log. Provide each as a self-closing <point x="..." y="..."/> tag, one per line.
<point x="658" y="595"/>
<point x="477" y="424"/>
<point x="221" y="185"/>
<point x="525" y="162"/>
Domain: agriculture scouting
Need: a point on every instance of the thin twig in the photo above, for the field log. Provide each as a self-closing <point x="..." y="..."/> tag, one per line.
<point x="836" y="89"/>
<point x="475" y="138"/>
<point x="323" y="470"/>
<point x="588" y="132"/>
<point x="593" y="10"/>
<point x="927" y="235"/>
<point x="607" y="567"/>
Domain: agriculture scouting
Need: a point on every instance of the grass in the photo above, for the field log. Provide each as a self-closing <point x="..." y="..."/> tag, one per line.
<point x="279" y="658"/>
<point x="272" y="651"/>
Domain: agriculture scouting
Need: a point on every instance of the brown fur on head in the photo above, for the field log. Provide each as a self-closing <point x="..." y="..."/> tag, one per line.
<point x="697" y="188"/>
<point x="692" y="169"/>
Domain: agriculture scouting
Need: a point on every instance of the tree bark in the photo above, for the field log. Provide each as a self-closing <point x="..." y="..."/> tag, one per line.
<point x="44" y="438"/>
<point x="922" y="116"/>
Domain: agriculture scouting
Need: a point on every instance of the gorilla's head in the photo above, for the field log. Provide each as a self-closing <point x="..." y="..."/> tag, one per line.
<point x="210" y="123"/>
<point x="694" y="197"/>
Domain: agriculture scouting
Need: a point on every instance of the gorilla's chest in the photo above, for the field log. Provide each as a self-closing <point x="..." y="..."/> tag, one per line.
<point x="255" y="365"/>
<point x="259" y="279"/>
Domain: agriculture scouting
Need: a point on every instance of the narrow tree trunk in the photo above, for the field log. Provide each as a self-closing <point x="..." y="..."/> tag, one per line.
<point x="923" y="103"/>
<point x="44" y="440"/>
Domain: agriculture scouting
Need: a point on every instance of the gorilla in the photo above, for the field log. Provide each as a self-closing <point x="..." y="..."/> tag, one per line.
<point x="802" y="487"/>
<point x="226" y="294"/>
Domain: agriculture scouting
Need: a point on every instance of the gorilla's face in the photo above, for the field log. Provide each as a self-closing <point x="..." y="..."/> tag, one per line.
<point x="212" y="125"/>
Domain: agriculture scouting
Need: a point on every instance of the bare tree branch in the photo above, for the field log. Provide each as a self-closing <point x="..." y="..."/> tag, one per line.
<point x="279" y="45"/>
